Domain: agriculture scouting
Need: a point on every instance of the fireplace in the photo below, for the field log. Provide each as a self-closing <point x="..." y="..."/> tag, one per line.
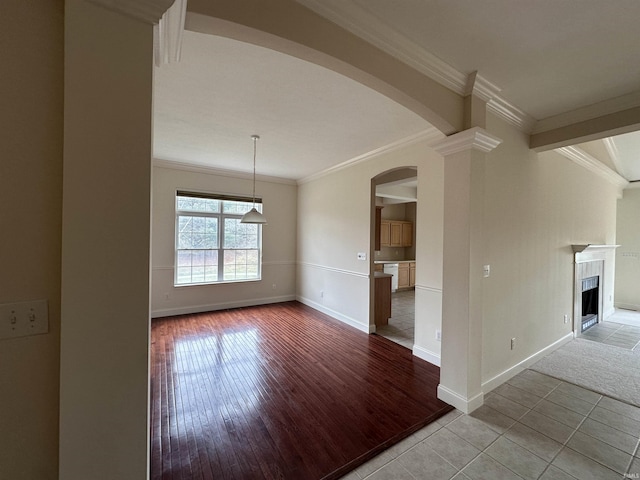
<point x="593" y="272"/>
<point x="590" y="302"/>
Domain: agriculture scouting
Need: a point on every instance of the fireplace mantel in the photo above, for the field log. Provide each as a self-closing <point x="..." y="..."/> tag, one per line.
<point x="591" y="247"/>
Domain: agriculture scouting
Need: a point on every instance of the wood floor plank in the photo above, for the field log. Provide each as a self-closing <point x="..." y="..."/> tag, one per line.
<point x="279" y="392"/>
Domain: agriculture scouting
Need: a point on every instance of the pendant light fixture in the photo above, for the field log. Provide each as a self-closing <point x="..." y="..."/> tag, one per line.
<point x="253" y="215"/>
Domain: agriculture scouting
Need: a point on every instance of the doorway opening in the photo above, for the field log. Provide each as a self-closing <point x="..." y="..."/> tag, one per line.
<point x="393" y="254"/>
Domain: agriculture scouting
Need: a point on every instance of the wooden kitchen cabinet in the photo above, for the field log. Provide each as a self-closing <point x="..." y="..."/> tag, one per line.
<point x="382" y="301"/>
<point x="385" y="233"/>
<point x="396" y="233"/>
<point x="407" y="234"/>
<point x="377" y="242"/>
<point x="412" y="274"/>
<point x="403" y="275"/>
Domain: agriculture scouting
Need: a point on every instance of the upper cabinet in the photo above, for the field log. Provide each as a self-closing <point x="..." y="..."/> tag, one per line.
<point x="396" y="233"/>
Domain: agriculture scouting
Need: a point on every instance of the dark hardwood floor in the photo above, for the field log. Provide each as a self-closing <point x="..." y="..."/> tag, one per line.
<point x="279" y="391"/>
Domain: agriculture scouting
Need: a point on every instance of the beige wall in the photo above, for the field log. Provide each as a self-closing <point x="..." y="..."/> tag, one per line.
<point x="536" y="206"/>
<point x="31" y="52"/>
<point x="627" y="288"/>
<point x="334" y="224"/>
<point x="278" y="242"/>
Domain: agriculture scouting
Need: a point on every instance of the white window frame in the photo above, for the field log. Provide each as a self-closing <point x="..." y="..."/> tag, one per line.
<point x="221" y="248"/>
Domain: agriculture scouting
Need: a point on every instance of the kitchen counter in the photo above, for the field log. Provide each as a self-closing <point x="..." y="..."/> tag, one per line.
<point x="382" y="262"/>
<point x="381" y="275"/>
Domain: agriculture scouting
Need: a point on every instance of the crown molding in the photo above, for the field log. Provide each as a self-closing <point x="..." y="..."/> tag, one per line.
<point x="612" y="150"/>
<point x="582" y="158"/>
<point x="390" y="41"/>
<point x="475" y="138"/>
<point x="168" y="34"/>
<point x="399" y="46"/>
<point x="428" y="136"/>
<point x="149" y="11"/>
<point x="511" y="114"/>
<point x="589" y="112"/>
<point x="219" y="172"/>
<point x="481" y="87"/>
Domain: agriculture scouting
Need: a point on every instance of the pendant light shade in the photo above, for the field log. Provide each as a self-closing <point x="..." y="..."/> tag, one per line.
<point x="253" y="215"/>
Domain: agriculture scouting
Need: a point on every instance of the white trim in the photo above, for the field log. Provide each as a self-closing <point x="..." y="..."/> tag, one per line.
<point x="524" y="364"/>
<point x="426" y="355"/>
<point x="428" y="136"/>
<point x="473" y="138"/>
<point x="582" y="158"/>
<point x="511" y="114"/>
<point x="169" y="312"/>
<point x="428" y="289"/>
<point x="612" y="150"/>
<point x="462" y="403"/>
<point x="333" y="269"/>
<point x="167" y="47"/>
<point x="389" y="40"/>
<point x="190" y="167"/>
<point x="627" y="306"/>
<point x="337" y="315"/>
<point x="149" y="11"/>
<point x="480" y="87"/>
<point x="591" y="253"/>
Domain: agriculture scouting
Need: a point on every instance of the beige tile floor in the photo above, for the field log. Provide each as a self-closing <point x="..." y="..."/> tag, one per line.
<point x="625" y="334"/>
<point x="532" y="427"/>
<point x="401" y="324"/>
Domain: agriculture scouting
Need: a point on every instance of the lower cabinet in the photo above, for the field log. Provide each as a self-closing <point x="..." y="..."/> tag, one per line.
<point x="406" y="274"/>
<point x="403" y="275"/>
<point x="412" y="274"/>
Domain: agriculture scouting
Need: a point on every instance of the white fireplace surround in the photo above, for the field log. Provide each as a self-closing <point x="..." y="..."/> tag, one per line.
<point x="591" y="261"/>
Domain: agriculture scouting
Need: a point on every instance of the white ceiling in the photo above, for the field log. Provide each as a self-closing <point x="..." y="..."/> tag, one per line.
<point x="547" y="57"/>
<point x="207" y="106"/>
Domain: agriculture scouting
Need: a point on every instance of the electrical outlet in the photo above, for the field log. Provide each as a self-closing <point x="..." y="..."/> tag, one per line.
<point x="513" y="343"/>
<point x="566" y="319"/>
<point x="439" y="335"/>
<point x="486" y="271"/>
<point x="273" y="287"/>
<point x="23" y="319"/>
<point x="362" y="256"/>
<point x="321" y="293"/>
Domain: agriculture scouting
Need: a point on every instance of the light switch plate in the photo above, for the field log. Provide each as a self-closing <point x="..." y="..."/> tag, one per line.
<point x="24" y="318"/>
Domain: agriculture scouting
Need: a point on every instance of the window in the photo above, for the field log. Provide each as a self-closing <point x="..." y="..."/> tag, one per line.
<point x="212" y="246"/>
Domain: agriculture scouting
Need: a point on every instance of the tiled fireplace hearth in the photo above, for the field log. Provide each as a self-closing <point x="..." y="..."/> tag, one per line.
<point x="593" y="269"/>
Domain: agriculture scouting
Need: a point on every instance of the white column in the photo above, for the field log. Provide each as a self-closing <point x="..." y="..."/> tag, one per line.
<point x="104" y="355"/>
<point x="461" y="357"/>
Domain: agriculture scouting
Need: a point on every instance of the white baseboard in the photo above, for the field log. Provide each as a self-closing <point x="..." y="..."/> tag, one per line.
<point x="627" y="306"/>
<point x="337" y="315"/>
<point x="465" y="405"/>
<point x="427" y="355"/>
<point x="524" y="364"/>
<point x="169" y="312"/>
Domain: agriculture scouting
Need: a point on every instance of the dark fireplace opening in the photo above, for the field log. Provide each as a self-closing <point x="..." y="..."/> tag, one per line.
<point x="590" y="302"/>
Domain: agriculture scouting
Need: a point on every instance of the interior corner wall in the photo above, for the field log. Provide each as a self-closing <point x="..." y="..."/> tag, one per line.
<point x="334" y="225"/>
<point x="31" y="52"/>
<point x="536" y="207"/>
<point x="278" y="244"/>
<point x="627" y="287"/>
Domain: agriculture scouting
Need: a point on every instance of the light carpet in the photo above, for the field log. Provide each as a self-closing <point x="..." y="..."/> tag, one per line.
<point x="609" y="370"/>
